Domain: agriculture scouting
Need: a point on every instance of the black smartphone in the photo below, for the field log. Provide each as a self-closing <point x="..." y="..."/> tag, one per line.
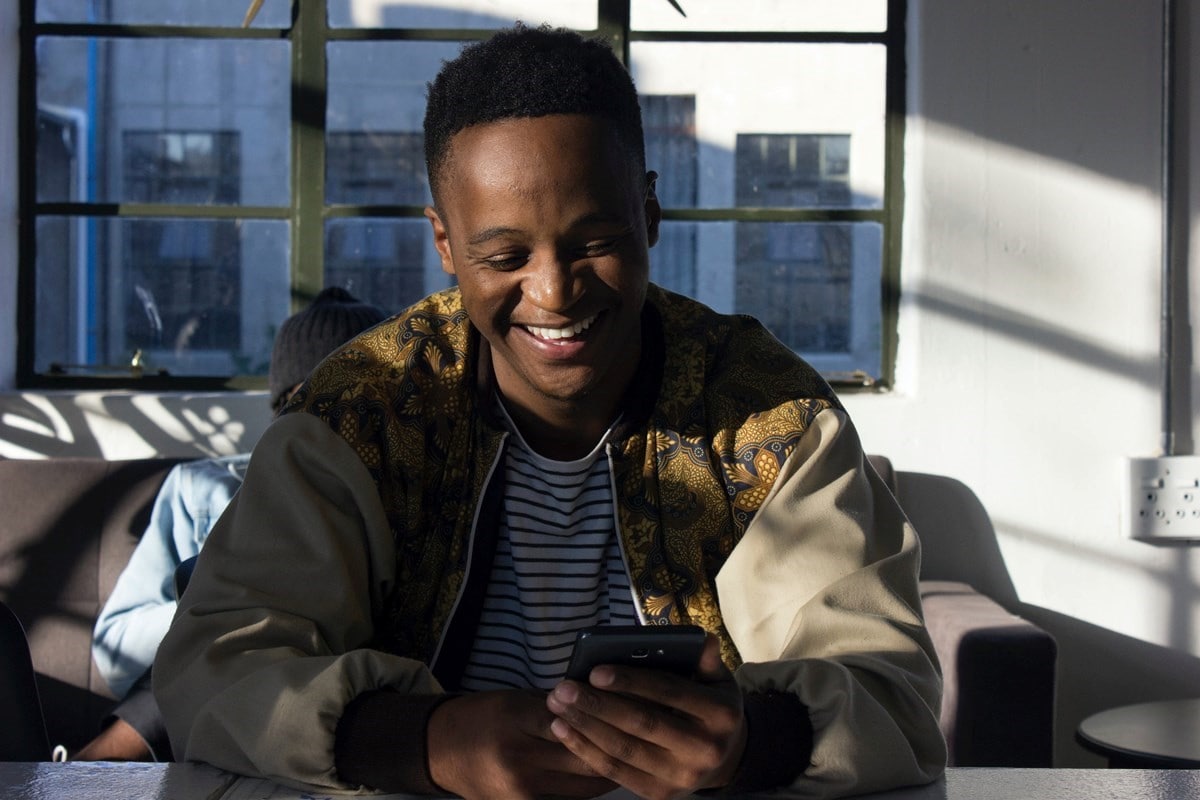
<point x="675" y="648"/>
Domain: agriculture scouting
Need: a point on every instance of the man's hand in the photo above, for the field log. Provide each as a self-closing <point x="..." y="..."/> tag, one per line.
<point x="498" y="744"/>
<point x="657" y="734"/>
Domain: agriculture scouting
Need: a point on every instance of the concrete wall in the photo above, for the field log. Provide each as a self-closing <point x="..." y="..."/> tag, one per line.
<point x="1029" y="350"/>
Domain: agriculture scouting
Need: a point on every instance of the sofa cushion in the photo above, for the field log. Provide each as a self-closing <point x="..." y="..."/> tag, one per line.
<point x="67" y="529"/>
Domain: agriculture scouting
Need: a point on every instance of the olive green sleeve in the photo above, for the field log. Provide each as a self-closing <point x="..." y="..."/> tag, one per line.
<point x="267" y="647"/>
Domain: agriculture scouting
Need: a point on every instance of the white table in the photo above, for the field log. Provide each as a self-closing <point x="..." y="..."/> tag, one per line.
<point x="102" y="781"/>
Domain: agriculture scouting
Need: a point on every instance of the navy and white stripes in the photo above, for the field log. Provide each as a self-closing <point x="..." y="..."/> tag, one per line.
<point x="557" y="569"/>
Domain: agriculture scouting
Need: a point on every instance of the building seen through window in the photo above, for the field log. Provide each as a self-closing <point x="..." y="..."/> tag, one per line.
<point x="197" y="181"/>
<point x="181" y="278"/>
<point x="796" y="276"/>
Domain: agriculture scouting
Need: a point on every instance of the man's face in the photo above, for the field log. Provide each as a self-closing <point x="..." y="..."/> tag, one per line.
<point x="546" y="224"/>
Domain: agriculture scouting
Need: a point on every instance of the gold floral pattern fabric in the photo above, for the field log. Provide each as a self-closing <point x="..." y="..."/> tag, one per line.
<point x="731" y="405"/>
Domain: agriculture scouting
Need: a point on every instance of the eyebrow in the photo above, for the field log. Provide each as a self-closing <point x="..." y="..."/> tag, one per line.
<point x="487" y="234"/>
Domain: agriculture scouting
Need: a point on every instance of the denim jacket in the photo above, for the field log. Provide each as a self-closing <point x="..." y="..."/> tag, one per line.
<point x="140" y="608"/>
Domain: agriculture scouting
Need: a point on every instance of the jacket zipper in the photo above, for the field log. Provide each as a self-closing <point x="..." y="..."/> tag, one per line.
<point x="462" y="589"/>
<point x="612" y="485"/>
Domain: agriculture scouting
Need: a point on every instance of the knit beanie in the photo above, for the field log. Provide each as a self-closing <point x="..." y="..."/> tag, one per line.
<point x="305" y="338"/>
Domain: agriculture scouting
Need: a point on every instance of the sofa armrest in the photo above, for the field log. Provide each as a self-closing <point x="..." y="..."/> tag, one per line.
<point x="998" y="673"/>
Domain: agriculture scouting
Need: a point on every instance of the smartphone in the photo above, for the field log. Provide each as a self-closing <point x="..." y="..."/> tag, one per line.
<point x="675" y="648"/>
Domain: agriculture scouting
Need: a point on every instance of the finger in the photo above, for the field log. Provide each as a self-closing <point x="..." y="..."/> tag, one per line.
<point x="535" y="718"/>
<point x="712" y="669"/>
<point x="699" y="699"/>
<point x="644" y="769"/>
<point x="562" y="772"/>
<point x="630" y="729"/>
<point x="613" y="767"/>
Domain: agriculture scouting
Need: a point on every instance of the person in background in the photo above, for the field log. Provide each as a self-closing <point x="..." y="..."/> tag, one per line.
<point x="391" y="601"/>
<point x="192" y="498"/>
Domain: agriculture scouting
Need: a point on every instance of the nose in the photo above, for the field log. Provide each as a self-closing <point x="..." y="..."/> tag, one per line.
<point x="551" y="284"/>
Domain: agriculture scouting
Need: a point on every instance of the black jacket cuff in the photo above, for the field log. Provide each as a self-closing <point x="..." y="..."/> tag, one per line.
<point x="380" y="742"/>
<point x="779" y="743"/>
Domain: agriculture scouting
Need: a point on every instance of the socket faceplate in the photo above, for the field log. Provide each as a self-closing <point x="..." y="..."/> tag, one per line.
<point x="1162" y="499"/>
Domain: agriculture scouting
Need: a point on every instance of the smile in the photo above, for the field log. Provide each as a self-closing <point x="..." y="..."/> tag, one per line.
<point x="568" y="332"/>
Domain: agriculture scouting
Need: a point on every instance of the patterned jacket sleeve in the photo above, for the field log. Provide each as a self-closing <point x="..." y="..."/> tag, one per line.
<point x="821" y="599"/>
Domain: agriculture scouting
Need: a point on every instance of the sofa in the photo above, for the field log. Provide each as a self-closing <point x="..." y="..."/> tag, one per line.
<point x="69" y="525"/>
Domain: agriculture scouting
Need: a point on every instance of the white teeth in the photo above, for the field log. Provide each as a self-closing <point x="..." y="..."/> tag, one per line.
<point x="568" y="332"/>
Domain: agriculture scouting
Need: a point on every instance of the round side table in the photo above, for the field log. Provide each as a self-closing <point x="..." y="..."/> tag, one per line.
<point x="1161" y="735"/>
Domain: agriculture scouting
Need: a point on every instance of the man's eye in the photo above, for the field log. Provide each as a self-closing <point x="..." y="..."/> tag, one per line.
<point x="505" y="263"/>
<point x="599" y="247"/>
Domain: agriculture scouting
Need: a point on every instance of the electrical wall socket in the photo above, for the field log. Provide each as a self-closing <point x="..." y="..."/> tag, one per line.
<point x="1162" y="499"/>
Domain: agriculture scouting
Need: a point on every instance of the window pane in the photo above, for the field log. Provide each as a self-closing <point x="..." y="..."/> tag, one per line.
<point x="272" y="14"/>
<point x="669" y="127"/>
<point x="196" y="296"/>
<point x="824" y="125"/>
<point x="793" y="170"/>
<point x="182" y="167"/>
<point x="674" y="262"/>
<point x="816" y="286"/>
<point x="760" y="15"/>
<point x="124" y="120"/>
<point x="375" y="114"/>
<point x="482" y="14"/>
<point x="380" y="168"/>
<point x="388" y="262"/>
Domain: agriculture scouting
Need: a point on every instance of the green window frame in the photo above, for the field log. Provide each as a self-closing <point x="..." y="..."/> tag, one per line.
<point x="307" y="211"/>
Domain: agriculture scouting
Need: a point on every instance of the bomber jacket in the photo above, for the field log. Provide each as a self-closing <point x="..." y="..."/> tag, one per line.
<point x="354" y="559"/>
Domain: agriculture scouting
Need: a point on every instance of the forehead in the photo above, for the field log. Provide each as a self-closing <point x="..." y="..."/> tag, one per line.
<point x="534" y="148"/>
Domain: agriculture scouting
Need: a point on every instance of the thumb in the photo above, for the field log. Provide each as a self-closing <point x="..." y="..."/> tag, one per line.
<point x="712" y="668"/>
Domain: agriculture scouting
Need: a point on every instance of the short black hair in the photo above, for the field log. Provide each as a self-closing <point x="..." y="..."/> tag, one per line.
<point x="523" y="72"/>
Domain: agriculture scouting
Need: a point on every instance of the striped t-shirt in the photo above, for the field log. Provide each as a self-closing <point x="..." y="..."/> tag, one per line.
<point x="557" y="569"/>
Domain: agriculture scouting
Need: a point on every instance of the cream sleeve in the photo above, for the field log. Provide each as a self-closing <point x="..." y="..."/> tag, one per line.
<point x="821" y="599"/>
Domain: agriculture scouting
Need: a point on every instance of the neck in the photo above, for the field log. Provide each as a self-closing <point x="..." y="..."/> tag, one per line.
<point x="567" y="435"/>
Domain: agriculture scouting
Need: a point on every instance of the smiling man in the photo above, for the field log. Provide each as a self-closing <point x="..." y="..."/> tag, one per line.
<point x="392" y="598"/>
<point x="546" y="223"/>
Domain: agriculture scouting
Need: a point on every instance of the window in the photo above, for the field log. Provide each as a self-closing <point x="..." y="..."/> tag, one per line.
<point x="669" y="126"/>
<point x="181" y="278"/>
<point x="377" y="258"/>
<point x="192" y="181"/>
<point x="806" y="280"/>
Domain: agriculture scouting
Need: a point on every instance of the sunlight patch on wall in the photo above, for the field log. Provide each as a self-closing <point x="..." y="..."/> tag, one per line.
<point x="1006" y="227"/>
<point x="221" y="432"/>
<point x="115" y="438"/>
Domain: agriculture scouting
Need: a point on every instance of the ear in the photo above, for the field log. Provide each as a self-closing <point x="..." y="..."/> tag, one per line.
<point x="652" y="209"/>
<point x="441" y="241"/>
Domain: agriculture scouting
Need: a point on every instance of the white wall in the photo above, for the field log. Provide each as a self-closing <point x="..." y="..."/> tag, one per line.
<point x="1029" y="343"/>
<point x="1029" y="351"/>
